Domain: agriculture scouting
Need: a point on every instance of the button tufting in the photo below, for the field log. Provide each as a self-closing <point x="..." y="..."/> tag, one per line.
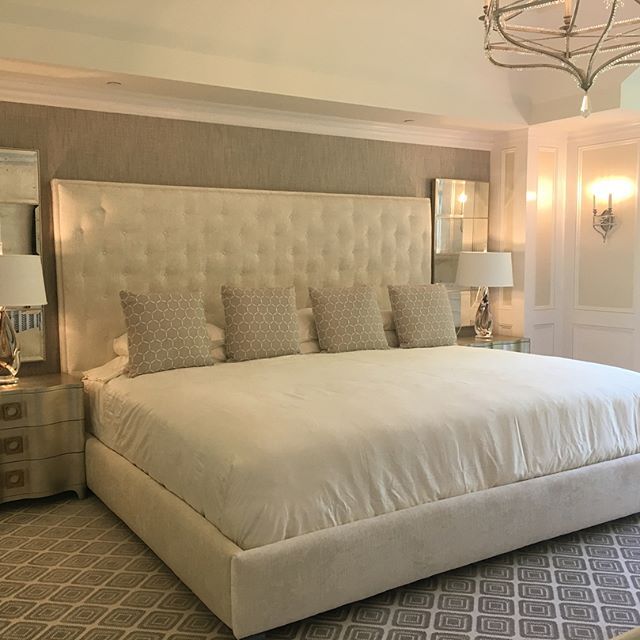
<point x="171" y="238"/>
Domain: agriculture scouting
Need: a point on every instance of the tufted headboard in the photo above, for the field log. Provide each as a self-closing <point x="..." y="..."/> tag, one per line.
<point x="113" y="236"/>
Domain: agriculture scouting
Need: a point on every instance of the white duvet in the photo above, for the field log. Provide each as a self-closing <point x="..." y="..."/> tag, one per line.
<point x="271" y="449"/>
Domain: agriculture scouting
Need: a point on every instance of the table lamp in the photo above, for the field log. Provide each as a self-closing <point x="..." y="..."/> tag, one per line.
<point x="21" y="285"/>
<point x="484" y="269"/>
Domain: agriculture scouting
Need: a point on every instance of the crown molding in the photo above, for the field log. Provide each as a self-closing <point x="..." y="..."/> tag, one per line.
<point x="603" y="134"/>
<point x="120" y="101"/>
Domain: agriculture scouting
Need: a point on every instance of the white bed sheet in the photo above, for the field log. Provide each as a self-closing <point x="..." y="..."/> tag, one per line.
<point x="271" y="449"/>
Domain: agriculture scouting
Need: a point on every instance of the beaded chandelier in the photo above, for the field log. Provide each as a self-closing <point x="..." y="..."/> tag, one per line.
<point x="553" y="34"/>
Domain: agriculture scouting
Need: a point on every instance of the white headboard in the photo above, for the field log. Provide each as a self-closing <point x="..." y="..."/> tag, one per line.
<point x="113" y="236"/>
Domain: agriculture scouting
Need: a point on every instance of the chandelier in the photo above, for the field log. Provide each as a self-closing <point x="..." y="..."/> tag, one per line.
<point x="550" y="34"/>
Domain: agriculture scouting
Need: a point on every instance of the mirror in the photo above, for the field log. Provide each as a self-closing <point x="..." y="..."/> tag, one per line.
<point x="460" y="223"/>
<point x="20" y="234"/>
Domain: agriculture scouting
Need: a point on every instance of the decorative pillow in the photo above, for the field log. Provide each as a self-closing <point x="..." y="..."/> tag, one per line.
<point x="422" y="315"/>
<point x="348" y="319"/>
<point x="216" y="338"/>
<point x="165" y="331"/>
<point x="261" y="323"/>
<point x="312" y="346"/>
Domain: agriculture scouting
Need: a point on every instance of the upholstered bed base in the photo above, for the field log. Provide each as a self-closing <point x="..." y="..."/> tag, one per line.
<point x="262" y="588"/>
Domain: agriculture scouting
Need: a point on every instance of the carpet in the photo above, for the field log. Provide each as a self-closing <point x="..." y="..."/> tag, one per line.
<point x="71" y="570"/>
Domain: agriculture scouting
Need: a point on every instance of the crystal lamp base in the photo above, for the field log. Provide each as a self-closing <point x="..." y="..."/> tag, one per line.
<point x="9" y="350"/>
<point x="484" y="320"/>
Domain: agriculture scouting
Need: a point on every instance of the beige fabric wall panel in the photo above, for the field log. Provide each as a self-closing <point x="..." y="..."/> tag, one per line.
<point x="87" y="145"/>
<point x="604" y="273"/>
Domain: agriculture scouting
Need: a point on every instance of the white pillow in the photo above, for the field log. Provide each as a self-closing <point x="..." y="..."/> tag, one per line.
<point x="388" y="323"/>
<point x="216" y="335"/>
<point x="307" y="326"/>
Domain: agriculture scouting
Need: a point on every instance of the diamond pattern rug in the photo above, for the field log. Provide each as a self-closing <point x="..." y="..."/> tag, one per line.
<point x="71" y="570"/>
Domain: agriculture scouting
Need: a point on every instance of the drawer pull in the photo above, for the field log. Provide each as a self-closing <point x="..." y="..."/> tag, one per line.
<point x="12" y="411"/>
<point x="13" y="445"/>
<point x="14" y="479"/>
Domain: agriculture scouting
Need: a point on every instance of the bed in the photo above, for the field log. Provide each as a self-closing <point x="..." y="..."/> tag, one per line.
<point x="278" y="489"/>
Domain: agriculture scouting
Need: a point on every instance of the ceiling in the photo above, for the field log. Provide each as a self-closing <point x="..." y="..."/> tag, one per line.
<point x="383" y="61"/>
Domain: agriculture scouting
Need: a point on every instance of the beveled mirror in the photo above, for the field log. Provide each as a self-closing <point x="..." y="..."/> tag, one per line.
<point x="20" y="234"/>
<point x="460" y="223"/>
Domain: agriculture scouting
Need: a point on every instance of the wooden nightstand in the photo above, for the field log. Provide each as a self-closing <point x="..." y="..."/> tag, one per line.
<point x="41" y="437"/>
<point x="506" y="343"/>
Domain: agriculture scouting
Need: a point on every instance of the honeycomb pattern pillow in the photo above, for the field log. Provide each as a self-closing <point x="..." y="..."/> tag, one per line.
<point x="422" y="315"/>
<point x="348" y="319"/>
<point x="165" y="331"/>
<point x="261" y="323"/>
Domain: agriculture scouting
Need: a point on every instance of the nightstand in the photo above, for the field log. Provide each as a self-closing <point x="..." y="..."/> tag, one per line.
<point x="506" y="343"/>
<point x="41" y="437"/>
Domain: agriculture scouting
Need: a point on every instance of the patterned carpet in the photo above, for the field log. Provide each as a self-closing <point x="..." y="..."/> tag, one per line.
<point x="69" y="569"/>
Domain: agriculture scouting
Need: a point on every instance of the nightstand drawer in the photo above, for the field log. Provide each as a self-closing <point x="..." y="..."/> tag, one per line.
<point x="41" y="477"/>
<point x="34" y="443"/>
<point x="34" y="409"/>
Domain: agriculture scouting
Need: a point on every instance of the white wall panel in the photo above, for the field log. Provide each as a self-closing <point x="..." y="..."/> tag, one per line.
<point x="606" y="345"/>
<point x="605" y="271"/>
<point x="508" y="211"/>
<point x="543" y="339"/>
<point x="545" y="227"/>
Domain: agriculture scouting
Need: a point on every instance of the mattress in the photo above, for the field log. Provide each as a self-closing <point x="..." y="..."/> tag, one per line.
<point x="271" y="449"/>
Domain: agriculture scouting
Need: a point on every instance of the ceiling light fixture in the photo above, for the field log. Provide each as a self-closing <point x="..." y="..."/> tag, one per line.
<point x="552" y="40"/>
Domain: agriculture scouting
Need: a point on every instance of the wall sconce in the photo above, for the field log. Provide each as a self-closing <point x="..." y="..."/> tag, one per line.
<point x="462" y="199"/>
<point x="605" y="222"/>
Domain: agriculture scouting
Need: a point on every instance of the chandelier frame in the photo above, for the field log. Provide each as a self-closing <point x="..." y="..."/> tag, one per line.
<point x="557" y="46"/>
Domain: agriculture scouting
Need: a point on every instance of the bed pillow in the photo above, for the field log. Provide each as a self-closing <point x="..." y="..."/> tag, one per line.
<point x="422" y="315"/>
<point x="348" y="319"/>
<point x="309" y="335"/>
<point x="260" y="323"/>
<point x="165" y="331"/>
<point x="216" y="338"/>
<point x="307" y="326"/>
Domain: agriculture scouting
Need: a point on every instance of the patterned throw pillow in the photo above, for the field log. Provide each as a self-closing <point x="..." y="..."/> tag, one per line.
<point x="261" y="323"/>
<point x="348" y="319"/>
<point x="422" y="315"/>
<point x="165" y="331"/>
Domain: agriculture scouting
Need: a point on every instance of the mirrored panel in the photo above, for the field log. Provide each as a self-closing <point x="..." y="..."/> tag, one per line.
<point x="20" y="234"/>
<point x="460" y="223"/>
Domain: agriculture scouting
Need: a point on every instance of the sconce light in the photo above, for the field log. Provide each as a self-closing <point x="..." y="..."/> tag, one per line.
<point x="605" y="221"/>
<point x="462" y="199"/>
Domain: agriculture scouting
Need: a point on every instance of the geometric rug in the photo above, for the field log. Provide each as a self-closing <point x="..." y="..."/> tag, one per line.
<point x="71" y="570"/>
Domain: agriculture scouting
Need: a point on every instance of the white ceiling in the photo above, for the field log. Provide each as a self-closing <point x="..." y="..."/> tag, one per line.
<point x="375" y="60"/>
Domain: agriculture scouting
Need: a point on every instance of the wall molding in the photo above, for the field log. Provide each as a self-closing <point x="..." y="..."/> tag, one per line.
<point x="604" y="135"/>
<point x="120" y="101"/>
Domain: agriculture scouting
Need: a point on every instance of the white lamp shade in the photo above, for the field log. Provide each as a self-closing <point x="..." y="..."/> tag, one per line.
<point x="21" y="281"/>
<point x="484" y="269"/>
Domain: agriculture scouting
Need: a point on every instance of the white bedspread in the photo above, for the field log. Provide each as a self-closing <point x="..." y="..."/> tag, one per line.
<point x="271" y="449"/>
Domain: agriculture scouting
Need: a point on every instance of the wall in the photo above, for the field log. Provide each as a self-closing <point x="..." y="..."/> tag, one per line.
<point x="527" y="218"/>
<point x="574" y="295"/>
<point x="602" y="315"/>
<point x="89" y="145"/>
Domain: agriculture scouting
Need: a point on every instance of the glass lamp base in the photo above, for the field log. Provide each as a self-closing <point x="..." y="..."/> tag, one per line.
<point x="484" y="321"/>
<point x="9" y="350"/>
